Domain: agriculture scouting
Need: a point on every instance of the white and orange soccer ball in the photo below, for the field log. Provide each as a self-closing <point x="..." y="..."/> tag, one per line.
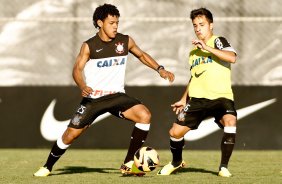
<point x="146" y="159"/>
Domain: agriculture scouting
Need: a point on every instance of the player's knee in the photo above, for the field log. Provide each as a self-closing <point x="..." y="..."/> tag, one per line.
<point x="145" y="116"/>
<point x="67" y="139"/>
<point x="70" y="135"/>
<point x="229" y="121"/>
<point x="174" y="134"/>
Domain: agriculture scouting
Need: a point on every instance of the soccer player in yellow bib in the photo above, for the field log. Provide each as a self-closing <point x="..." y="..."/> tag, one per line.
<point x="208" y="93"/>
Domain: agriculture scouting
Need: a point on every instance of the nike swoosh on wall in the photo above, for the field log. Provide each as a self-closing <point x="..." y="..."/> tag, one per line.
<point x="51" y="128"/>
<point x="208" y="126"/>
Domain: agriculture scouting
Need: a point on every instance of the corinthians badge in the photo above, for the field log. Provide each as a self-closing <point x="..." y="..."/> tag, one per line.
<point x="119" y="48"/>
<point x="181" y="116"/>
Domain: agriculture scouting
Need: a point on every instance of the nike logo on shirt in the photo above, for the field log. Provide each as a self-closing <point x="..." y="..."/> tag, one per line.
<point x="198" y="75"/>
<point x="98" y="50"/>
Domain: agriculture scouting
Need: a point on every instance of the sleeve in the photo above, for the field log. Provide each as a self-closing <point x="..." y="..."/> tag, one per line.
<point x="222" y="44"/>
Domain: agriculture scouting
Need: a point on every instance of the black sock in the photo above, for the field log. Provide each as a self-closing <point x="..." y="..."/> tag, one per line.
<point x="227" y="145"/>
<point x="176" y="148"/>
<point x="54" y="156"/>
<point x="138" y="138"/>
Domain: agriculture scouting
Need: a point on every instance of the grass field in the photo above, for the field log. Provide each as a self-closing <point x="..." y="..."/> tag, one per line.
<point x="102" y="166"/>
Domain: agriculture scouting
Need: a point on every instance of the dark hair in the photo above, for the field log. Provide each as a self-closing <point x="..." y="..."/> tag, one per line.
<point x="201" y="12"/>
<point x="103" y="11"/>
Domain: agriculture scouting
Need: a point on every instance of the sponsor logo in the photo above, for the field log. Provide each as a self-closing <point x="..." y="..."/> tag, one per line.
<point x="201" y="60"/>
<point x="186" y="108"/>
<point x="81" y="109"/>
<point x="229" y="111"/>
<point x="208" y="126"/>
<point x="119" y="48"/>
<point x="76" y="120"/>
<point x="199" y="74"/>
<point x="98" y="93"/>
<point x="218" y="43"/>
<point x="111" y="62"/>
<point x="181" y="116"/>
<point x="98" y="50"/>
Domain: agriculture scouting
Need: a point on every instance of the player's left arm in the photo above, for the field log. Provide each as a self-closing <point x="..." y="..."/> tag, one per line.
<point x="222" y="50"/>
<point x="149" y="61"/>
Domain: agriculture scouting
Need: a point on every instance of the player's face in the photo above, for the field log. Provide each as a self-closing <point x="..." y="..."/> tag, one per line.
<point x="110" y="26"/>
<point x="202" y="28"/>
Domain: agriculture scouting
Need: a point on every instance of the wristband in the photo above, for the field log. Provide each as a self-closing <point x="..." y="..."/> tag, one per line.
<point x="159" y="68"/>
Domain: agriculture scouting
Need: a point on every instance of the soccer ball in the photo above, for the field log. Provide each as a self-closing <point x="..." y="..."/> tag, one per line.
<point x="146" y="159"/>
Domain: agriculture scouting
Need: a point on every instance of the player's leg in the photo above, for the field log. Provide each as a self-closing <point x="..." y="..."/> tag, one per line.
<point x="58" y="149"/>
<point x="177" y="142"/>
<point x="142" y="118"/>
<point x="61" y="145"/>
<point x="189" y="118"/>
<point x="227" y="143"/>
<point x="80" y="121"/>
<point x="226" y="117"/>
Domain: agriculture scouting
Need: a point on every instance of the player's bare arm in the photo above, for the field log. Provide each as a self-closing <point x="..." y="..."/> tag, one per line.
<point x="148" y="60"/>
<point x="179" y="105"/>
<point x="77" y="73"/>
<point x="224" y="55"/>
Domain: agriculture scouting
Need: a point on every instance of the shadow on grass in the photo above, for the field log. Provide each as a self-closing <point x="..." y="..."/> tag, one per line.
<point x="81" y="169"/>
<point x="196" y="170"/>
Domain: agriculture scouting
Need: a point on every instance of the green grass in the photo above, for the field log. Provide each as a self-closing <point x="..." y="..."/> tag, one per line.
<point x="102" y="166"/>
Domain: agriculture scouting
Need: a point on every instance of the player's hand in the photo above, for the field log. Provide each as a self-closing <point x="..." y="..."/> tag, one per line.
<point x="167" y="75"/>
<point x="199" y="44"/>
<point x="86" y="91"/>
<point x="178" y="107"/>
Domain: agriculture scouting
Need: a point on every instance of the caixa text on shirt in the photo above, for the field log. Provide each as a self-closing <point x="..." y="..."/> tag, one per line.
<point x="201" y="60"/>
<point x="111" y="62"/>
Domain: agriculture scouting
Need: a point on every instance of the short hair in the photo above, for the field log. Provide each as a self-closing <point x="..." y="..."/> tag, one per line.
<point x="103" y="11"/>
<point x="201" y="12"/>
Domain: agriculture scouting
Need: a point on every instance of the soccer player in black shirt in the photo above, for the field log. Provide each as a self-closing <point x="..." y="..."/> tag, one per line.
<point x="102" y="61"/>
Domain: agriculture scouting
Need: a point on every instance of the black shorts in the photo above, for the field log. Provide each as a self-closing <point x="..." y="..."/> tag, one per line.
<point x="90" y="109"/>
<point x="198" y="109"/>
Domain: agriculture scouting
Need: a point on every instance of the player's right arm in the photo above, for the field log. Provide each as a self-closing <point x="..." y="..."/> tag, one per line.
<point x="78" y="67"/>
<point x="179" y="105"/>
<point x="224" y="55"/>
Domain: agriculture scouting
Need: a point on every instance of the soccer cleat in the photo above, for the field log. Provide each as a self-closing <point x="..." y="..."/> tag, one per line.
<point x="224" y="172"/>
<point x="129" y="169"/>
<point x="42" y="172"/>
<point x="169" y="168"/>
